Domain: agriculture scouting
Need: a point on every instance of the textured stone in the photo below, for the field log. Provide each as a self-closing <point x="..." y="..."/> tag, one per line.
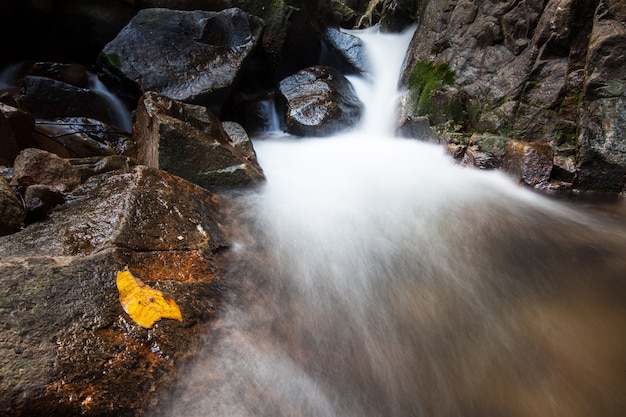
<point x="199" y="54"/>
<point x="319" y="101"/>
<point x="191" y="142"/>
<point x="68" y="348"/>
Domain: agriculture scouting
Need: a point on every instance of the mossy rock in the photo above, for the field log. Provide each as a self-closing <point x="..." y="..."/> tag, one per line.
<point x="433" y="94"/>
<point x="425" y="78"/>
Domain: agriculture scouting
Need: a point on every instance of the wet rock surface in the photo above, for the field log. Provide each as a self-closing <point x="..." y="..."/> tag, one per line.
<point x="68" y="347"/>
<point x="348" y="52"/>
<point x="199" y="54"/>
<point x="191" y="142"/>
<point x="319" y="101"/>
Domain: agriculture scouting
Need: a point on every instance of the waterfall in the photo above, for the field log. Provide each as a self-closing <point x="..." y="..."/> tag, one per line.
<point x="119" y="114"/>
<point x="371" y="276"/>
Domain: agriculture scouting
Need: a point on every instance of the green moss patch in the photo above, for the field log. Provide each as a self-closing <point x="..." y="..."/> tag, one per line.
<point x="425" y="78"/>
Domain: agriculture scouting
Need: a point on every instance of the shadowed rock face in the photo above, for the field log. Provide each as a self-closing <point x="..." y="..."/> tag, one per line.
<point x="319" y="101"/>
<point x="68" y="348"/>
<point x="550" y="72"/>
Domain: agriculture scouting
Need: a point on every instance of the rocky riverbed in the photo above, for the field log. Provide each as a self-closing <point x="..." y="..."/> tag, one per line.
<point x="124" y="125"/>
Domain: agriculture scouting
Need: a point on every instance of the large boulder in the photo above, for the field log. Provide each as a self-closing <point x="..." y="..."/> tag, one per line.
<point x="319" y="101"/>
<point x="68" y="346"/>
<point x="190" y="141"/>
<point x="192" y="56"/>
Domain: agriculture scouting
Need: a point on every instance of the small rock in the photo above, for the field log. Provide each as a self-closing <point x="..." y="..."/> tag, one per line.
<point x="36" y="166"/>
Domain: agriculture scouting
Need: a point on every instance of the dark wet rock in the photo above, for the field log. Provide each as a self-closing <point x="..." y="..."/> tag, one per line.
<point x="49" y="90"/>
<point x="344" y="52"/>
<point x="36" y="166"/>
<point x="190" y="141"/>
<point x="73" y="74"/>
<point x="595" y="174"/>
<point x="81" y="137"/>
<point x="11" y="209"/>
<point x="319" y="101"/>
<point x="68" y="348"/>
<point x="64" y="136"/>
<point x="199" y="54"/>
<point x="602" y="140"/>
<point x="397" y="15"/>
<point x="390" y="15"/>
<point x="342" y="13"/>
<point x="46" y="98"/>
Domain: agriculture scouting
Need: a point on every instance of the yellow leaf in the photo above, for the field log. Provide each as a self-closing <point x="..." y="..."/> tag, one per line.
<point x="143" y="304"/>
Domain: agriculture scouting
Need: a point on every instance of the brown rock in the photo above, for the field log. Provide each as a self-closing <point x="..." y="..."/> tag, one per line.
<point x="11" y="209"/>
<point x="36" y="166"/>
<point x="68" y="348"/>
<point x="531" y="163"/>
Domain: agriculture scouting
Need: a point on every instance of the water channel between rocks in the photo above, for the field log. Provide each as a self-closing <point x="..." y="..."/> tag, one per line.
<point x="371" y="276"/>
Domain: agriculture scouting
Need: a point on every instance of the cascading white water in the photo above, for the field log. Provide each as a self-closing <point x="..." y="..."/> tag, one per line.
<point x="120" y="116"/>
<point x="374" y="277"/>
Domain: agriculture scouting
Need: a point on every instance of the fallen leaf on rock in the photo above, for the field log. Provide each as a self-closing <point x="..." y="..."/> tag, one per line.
<point x="143" y="304"/>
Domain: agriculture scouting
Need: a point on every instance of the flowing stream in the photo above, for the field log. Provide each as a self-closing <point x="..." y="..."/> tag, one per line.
<point x="371" y="276"/>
